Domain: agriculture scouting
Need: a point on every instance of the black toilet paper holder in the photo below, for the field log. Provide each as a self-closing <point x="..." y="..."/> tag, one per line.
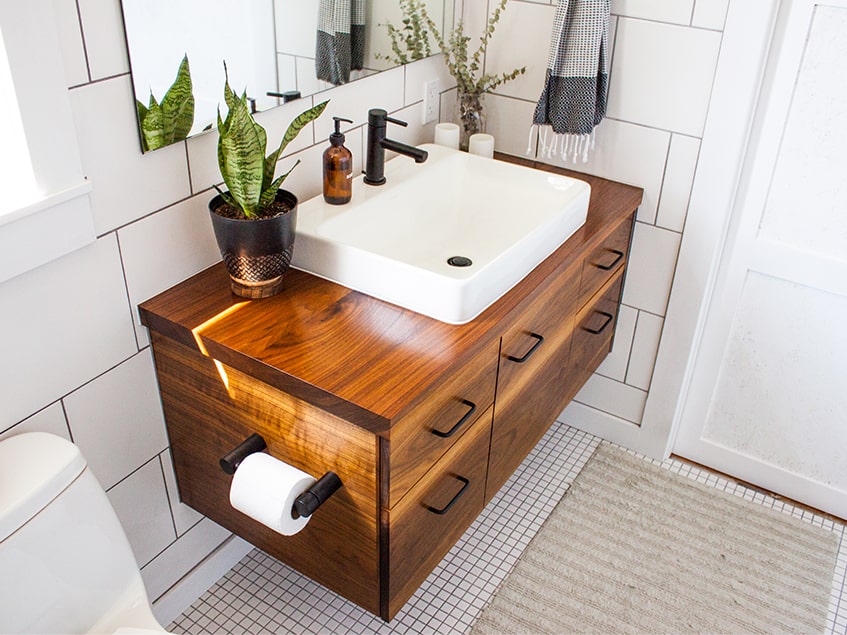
<point x="307" y="502"/>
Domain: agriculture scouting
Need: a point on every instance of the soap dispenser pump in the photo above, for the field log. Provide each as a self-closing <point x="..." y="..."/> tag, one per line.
<point x="338" y="168"/>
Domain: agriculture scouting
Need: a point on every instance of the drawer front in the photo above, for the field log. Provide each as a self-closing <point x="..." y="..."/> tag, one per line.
<point x="420" y="438"/>
<point x="436" y="512"/>
<point x="543" y="327"/>
<point x="595" y="327"/>
<point x="606" y="260"/>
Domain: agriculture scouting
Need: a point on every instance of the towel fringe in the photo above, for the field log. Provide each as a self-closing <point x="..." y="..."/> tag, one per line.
<point x="573" y="148"/>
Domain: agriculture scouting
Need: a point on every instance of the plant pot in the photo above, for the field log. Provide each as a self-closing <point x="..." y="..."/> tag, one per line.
<point x="256" y="252"/>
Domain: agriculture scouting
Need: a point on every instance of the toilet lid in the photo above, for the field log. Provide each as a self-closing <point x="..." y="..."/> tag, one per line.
<point x="35" y="467"/>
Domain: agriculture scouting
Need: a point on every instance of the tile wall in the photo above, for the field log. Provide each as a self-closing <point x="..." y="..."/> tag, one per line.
<point x="75" y="359"/>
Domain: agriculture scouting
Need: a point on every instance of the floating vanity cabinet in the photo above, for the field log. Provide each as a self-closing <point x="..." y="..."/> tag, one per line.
<point x="422" y="421"/>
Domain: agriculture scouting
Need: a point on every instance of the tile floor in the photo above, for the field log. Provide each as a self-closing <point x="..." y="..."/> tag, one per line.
<point x="262" y="595"/>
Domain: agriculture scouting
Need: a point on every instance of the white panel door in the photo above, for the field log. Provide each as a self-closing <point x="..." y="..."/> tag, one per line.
<point x="767" y="398"/>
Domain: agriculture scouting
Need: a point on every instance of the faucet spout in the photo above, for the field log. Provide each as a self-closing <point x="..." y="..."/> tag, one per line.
<point x="378" y="144"/>
<point x="401" y="148"/>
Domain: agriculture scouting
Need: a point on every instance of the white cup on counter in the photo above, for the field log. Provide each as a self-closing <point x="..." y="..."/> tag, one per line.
<point x="481" y="144"/>
<point x="447" y="135"/>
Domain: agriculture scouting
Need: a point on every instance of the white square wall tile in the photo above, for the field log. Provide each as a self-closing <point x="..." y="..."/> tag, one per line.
<point x="184" y="516"/>
<point x="167" y="247"/>
<point x="677" y="11"/>
<point x="141" y="503"/>
<point x="51" y="419"/>
<point x="103" y="31"/>
<point x="510" y="121"/>
<point x="116" y="419"/>
<point x="645" y="344"/>
<point x="710" y="14"/>
<point x="352" y="101"/>
<point x="127" y="183"/>
<point x="613" y="398"/>
<point x="61" y="325"/>
<point x="679" y="178"/>
<point x="422" y="71"/>
<point x="70" y="40"/>
<point x="651" y="268"/>
<point x="662" y="75"/>
<point x="531" y="24"/>
<point x="630" y="154"/>
<point x="614" y="366"/>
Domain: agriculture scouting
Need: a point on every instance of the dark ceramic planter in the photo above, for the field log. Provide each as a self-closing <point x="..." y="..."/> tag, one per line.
<point x="256" y="253"/>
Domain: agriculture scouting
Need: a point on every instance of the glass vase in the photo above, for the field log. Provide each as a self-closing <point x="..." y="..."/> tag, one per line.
<point x="469" y="115"/>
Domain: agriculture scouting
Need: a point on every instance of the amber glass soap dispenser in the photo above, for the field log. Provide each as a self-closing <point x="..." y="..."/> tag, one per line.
<point x="338" y="168"/>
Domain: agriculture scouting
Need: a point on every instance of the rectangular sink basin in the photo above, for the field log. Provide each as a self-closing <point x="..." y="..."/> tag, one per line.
<point x="494" y="221"/>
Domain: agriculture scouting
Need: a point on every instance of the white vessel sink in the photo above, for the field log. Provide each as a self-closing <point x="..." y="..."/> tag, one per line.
<point x="394" y="241"/>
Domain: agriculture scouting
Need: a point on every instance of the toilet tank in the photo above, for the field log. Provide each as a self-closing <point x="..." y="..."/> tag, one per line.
<point x="66" y="563"/>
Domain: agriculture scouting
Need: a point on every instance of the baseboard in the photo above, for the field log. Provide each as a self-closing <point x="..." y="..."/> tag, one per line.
<point x="173" y="602"/>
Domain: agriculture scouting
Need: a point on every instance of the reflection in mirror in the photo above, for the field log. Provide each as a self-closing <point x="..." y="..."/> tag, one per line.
<point x="269" y="47"/>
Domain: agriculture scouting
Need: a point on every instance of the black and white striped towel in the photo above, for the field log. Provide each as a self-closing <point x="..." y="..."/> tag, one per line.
<point x="340" y="44"/>
<point x="574" y="98"/>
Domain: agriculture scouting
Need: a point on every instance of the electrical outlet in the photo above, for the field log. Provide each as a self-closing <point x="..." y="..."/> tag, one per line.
<point x="432" y="90"/>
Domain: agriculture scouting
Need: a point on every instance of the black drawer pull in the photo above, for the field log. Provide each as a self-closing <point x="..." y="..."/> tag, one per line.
<point x="459" y="423"/>
<point x="465" y="482"/>
<point x="618" y="254"/>
<point x="521" y="360"/>
<point x="609" y="319"/>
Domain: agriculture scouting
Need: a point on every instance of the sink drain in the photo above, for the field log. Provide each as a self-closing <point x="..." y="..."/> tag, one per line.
<point x="459" y="261"/>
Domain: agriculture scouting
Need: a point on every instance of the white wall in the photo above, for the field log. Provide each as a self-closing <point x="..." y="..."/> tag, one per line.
<point x="75" y="359"/>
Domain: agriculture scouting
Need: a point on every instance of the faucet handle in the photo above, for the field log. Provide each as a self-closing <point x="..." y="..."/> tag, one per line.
<point x="397" y="121"/>
<point x="378" y="117"/>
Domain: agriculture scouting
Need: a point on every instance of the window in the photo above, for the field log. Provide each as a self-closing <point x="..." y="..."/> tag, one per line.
<point x="45" y="212"/>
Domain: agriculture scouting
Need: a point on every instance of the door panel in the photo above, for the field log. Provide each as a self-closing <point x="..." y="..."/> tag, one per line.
<point x="767" y="400"/>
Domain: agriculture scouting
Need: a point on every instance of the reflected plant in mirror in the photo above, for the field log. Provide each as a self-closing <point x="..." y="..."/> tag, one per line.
<point x="411" y="41"/>
<point x="169" y="121"/>
<point x="273" y="54"/>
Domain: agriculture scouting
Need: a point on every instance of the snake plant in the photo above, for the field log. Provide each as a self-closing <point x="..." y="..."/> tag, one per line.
<point x="246" y="171"/>
<point x="171" y="120"/>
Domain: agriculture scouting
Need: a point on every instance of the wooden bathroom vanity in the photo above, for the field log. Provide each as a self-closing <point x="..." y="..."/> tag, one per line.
<point x="422" y="421"/>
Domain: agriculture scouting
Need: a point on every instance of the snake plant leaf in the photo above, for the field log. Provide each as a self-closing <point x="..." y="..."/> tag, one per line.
<point x="152" y="129"/>
<point x="178" y="105"/>
<point x="269" y="194"/>
<point x="241" y="155"/>
<point x="300" y="122"/>
<point x="142" y="114"/>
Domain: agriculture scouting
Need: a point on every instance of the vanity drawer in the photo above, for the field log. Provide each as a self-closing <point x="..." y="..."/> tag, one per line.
<point x="421" y="437"/>
<point x="595" y="327"/>
<point x="434" y="514"/>
<point x="542" y="328"/>
<point x="602" y="263"/>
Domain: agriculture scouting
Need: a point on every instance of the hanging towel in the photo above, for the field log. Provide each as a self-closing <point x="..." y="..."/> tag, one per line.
<point x="340" y="44"/>
<point x="573" y="101"/>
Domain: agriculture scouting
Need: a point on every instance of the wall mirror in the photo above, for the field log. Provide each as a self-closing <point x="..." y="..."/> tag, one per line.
<point x="269" y="46"/>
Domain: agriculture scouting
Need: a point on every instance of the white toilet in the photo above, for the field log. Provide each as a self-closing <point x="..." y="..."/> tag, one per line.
<point x="65" y="563"/>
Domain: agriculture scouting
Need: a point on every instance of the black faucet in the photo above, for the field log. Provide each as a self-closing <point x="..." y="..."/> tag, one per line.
<point x="378" y="144"/>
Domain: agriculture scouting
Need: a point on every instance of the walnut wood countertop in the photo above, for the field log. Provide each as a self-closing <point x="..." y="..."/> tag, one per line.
<point x="357" y="357"/>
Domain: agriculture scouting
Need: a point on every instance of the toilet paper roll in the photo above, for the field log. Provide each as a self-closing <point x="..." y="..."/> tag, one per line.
<point x="264" y="488"/>
<point x="447" y="135"/>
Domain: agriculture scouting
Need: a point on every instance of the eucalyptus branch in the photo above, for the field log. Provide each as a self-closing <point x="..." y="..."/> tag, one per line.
<point x="464" y="68"/>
